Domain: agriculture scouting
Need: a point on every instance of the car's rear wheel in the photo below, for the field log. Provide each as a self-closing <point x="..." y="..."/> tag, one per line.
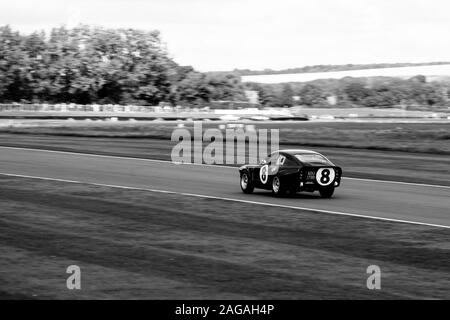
<point x="246" y="183"/>
<point x="277" y="188"/>
<point x="326" y="192"/>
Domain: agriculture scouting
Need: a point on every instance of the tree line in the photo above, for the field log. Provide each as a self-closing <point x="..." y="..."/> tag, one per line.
<point x="356" y="92"/>
<point x="97" y="65"/>
<point x="86" y="65"/>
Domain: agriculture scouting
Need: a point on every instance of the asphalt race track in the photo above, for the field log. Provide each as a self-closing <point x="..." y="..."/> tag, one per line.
<point x="398" y="201"/>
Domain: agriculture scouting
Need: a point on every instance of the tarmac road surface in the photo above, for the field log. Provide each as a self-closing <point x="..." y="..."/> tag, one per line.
<point x="379" y="199"/>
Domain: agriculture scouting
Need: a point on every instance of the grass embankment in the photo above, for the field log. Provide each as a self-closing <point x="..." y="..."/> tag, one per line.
<point x="131" y="244"/>
<point x="408" y="137"/>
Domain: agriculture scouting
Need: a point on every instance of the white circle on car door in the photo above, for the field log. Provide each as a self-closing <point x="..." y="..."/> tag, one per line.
<point x="264" y="174"/>
<point x="325" y="176"/>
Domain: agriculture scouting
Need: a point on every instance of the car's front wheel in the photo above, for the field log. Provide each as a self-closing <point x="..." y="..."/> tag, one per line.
<point x="246" y="183"/>
<point x="326" y="192"/>
<point x="277" y="188"/>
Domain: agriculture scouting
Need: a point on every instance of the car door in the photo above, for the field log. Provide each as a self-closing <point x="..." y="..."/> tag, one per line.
<point x="288" y="169"/>
<point x="263" y="176"/>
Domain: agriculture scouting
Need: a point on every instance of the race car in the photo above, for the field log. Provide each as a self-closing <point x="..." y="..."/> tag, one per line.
<point x="292" y="171"/>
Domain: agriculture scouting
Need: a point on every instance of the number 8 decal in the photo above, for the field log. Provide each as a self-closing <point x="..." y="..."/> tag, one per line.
<point x="325" y="176"/>
<point x="264" y="174"/>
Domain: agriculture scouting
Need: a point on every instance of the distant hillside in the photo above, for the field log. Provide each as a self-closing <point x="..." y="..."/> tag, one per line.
<point x="329" y="68"/>
<point x="439" y="72"/>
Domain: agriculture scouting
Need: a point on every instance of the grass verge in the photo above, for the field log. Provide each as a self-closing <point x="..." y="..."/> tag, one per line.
<point x="406" y="137"/>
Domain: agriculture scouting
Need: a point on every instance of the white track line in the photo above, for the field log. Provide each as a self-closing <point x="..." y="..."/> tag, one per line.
<point x="210" y="165"/>
<point x="229" y="199"/>
<point x="118" y="157"/>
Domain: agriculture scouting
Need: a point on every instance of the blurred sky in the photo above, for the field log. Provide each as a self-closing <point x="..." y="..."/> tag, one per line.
<point x="258" y="34"/>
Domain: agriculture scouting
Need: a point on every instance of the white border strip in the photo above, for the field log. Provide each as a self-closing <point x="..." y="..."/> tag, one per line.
<point x="230" y="199"/>
<point x="210" y="165"/>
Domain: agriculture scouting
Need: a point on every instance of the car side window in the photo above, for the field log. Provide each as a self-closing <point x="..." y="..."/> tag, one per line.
<point x="273" y="158"/>
<point x="280" y="161"/>
<point x="289" y="163"/>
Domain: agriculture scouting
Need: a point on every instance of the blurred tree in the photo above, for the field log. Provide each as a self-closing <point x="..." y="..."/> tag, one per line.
<point x="380" y="96"/>
<point x="356" y="91"/>
<point x="13" y="65"/>
<point x="225" y="87"/>
<point x="419" y="78"/>
<point x="268" y="96"/>
<point x="36" y="86"/>
<point x="193" y="89"/>
<point x="287" y="94"/>
<point x="312" y="95"/>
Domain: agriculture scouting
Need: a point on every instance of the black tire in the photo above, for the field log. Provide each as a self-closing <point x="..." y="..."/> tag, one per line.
<point x="246" y="183"/>
<point x="326" y="192"/>
<point x="277" y="188"/>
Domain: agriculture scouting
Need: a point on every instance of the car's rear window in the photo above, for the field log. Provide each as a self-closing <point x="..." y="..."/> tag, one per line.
<point x="312" y="158"/>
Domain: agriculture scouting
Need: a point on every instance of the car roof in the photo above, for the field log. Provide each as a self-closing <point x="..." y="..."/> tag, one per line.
<point x="296" y="151"/>
<point x="293" y="152"/>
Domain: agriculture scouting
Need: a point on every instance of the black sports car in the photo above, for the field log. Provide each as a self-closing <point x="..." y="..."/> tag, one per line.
<point x="292" y="171"/>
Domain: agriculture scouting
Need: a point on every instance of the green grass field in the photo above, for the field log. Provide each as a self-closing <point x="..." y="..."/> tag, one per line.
<point x="130" y="244"/>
